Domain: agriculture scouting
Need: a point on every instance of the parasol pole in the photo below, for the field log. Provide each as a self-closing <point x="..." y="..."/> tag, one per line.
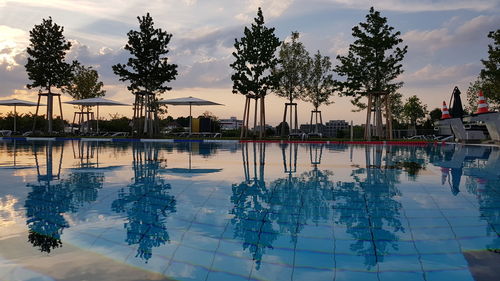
<point x="97" y="121"/>
<point x="190" y="120"/>
<point x="15" y="116"/>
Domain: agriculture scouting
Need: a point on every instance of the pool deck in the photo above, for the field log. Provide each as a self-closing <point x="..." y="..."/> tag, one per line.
<point x="217" y="140"/>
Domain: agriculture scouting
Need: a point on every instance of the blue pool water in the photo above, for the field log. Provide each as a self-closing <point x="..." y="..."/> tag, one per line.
<point x="79" y="210"/>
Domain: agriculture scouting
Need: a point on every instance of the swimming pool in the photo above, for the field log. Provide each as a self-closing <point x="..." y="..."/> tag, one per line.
<point x="85" y="210"/>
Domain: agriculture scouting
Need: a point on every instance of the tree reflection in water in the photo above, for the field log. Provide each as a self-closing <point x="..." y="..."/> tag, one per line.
<point x="54" y="196"/>
<point x="147" y="202"/>
<point x="368" y="206"/>
<point x="47" y="202"/>
<point x="262" y="213"/>
<point x="252" y="214"/>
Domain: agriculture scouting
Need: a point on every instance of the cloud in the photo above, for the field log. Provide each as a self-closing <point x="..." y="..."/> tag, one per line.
<point x="419" y="6"/>
<point x="13" y="75"/>
<point x="471" y="31"/>
<point x="211" y="73"/>
<point x="190" y="2"/>
<point x="13" y="42"/>
<point x="271" y="9"/>
<point x="339" y="45"/>
<point x="431" y="75"/>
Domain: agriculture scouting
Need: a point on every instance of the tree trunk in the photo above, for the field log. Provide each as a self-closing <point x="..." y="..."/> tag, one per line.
<point x="264" y="115"/>
<point x="284" y="121"/>
<point x="50" y="108"/>
<point x="244" y="123"/>
<point x="255" y="116"/>
<point x="368" y="133"/>
<point x="262" y="132"/>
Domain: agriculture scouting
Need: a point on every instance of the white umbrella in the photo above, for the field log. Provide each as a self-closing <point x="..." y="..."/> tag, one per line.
<point x="96" y="102"/>
<point x="188" y="101"/>
<point x="15" y="103"/>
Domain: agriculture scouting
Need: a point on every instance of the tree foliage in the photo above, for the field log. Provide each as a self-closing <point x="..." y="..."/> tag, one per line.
<point x="396" y="105"/>
<point x="373" y="60"/>
<point x="493" y="98"/>
<point x="255" y="56"/>
<point x="490" y="74"/>
<point x="84" y="84"/>
<point x="292" y="69"/>
<point x="46" y="65"/>
<point x="435" y="115"/>
<point x="148" y="68"/>
<point x="320" y="85"/>
<point x="414" y="110"/>
<point x="489" y="79"/>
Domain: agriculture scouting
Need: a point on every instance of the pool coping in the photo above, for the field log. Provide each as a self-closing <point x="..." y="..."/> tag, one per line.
<point x="218" y="141"/>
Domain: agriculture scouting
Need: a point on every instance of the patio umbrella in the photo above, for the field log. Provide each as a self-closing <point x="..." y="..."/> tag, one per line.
<point x="188" y="101"/>
<point x="15" y="103"/>
<point x="456" y="109"/>
<point x="96" y="102"/>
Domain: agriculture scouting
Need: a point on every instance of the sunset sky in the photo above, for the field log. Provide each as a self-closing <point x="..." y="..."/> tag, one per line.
<point x="446" y="40"/>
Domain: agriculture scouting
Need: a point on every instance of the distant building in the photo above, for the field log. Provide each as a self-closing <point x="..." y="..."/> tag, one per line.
<point x="330" y="129"/>
<point x="230" y="124"/>
<point x="333" y="126"/>
<point x="306" y="128"/>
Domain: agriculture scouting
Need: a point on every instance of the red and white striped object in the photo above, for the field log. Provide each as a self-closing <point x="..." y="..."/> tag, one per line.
<point x="445" y="113"/>
<point x="482" y="105"/>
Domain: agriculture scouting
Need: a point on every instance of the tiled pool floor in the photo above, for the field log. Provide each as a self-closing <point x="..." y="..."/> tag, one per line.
<point x="144" y="211"/>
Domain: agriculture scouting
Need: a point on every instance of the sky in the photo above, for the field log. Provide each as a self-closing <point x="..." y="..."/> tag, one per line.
<point x="446" y="40"/>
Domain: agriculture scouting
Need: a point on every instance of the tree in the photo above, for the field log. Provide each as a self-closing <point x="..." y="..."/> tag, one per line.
<point x="489" y="78"/>
<point x="491" y="72"/>
<point x="147" y="71"/>
<point x="396" y="104"/>
<point x="292" y="71"/>
<point x="414" y="111"/>
<point x="320" y="84"/>
<point x="372" y="64"/>
<point x="255" y="56"/>
<point x="46" y="65"/>
<point x="493" y="98"/>
<point x="85" y="83"/>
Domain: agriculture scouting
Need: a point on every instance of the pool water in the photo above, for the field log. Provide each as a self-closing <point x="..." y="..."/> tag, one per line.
<point x="83" y="210"/>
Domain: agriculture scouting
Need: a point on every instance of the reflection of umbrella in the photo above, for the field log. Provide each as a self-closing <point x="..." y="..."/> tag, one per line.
<point x="95" y="102"/>
<point x="188" y="172"/>
<point x="188" y="101"/>
<point x="15" y="103"/>
<point x="456" y="108"/>
<point x="14" y="158"/>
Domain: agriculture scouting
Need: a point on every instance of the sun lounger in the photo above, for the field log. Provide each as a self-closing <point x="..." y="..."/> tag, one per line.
<point x="5" y="133"/>
<point x="491" y="120"/>
<point x="460" y="132"/>
<point x="119" y="134"/>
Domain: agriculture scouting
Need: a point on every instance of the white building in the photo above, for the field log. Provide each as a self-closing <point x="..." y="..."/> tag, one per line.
<point x="230" y="124"/>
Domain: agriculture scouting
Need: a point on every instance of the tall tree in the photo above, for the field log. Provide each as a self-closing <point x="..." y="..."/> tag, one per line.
<point x="292" y="71"/>
<point x="491" y="71"/>
<point x="147" y="70"/>
<point x="319" y="85"/>
<point x="46" y="65"/>
<point x="372" y="64"/>
<point x="255" y="57"/>
<point x="414" y="111"/>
